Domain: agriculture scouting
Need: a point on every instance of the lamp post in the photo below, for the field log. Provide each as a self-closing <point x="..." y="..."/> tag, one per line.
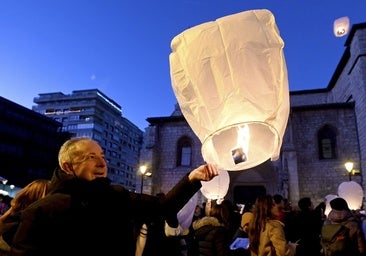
<point x="143" y="169"/>
<point x="144" y="172"/>
<point x="11" y="190"/>
<point x="4" y="183"/>
<point x="349" y="168"/>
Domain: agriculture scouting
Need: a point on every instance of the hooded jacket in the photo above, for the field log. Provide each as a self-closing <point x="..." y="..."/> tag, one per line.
<point x="212" y="237"/>
<point x="273" y="242"/>
<point x="345" y="217"/>
<point x="80" y="217"/>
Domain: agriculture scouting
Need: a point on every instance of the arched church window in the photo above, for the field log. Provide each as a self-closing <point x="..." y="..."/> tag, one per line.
<point x="327" y="142"/>
<point x="184" y="152"/>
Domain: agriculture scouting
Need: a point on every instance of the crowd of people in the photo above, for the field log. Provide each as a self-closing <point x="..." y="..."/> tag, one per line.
<point x="78" y="211"/>
<point x="272" y="227"/>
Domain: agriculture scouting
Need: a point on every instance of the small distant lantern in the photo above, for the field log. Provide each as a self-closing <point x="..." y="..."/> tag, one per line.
<point x="230" y="79"/>
<point x="341" y="26"/>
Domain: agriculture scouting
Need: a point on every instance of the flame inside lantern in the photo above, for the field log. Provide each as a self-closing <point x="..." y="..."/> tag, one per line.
<point x="241" y="151"/>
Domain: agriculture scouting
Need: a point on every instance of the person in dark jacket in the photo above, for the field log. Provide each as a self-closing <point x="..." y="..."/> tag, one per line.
<point x="212" y="234"/>
<point x="84" y="214"/>
<point x="309" y="224"/>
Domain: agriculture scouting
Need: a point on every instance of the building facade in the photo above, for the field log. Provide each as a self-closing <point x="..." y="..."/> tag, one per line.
<point x="326" y="128"/>
<point x="93" y="114"/>
<point x="29" y="143"/>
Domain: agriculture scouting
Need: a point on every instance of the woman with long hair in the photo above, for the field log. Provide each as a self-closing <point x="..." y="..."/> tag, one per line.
<point x="9" y="221"/>
<point x="266" y="231"/>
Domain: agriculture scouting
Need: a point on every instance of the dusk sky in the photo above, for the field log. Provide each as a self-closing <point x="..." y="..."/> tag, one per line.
<point x="122" y="47"/>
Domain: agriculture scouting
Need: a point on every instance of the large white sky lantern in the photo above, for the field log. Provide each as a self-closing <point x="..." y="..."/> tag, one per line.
<point x="351" y="192"/>
<point x="230" y="79"/>
<point x="217" y="187"/>
<point x="341" y="26"/>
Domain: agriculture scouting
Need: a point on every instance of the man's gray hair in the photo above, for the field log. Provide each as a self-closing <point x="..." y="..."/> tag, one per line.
<point x="69" y="150"/>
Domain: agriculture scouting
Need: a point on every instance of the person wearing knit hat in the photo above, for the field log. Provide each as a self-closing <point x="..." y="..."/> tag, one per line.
<point x="339" y="204"/>
<point x="341" y="214"/>
<point x="339" y="210"/>
<point x="306" y="228"/>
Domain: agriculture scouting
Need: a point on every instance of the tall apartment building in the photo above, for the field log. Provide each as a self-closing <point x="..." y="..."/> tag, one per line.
<point x="93" y="114"/>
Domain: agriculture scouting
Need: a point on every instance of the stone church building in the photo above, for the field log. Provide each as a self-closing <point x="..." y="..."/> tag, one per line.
<point x="326" y="128"/>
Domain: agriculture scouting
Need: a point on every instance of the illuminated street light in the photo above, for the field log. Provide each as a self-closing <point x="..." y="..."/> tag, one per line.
<point x="11" y="190"/>
<point x="144" y="172"/>
<point x="4" y="183"/>
<point x="143" y="169"/>
<point x="349" y="168"/>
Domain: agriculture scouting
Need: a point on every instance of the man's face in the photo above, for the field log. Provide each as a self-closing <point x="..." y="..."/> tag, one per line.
<point x="91" y="163"/>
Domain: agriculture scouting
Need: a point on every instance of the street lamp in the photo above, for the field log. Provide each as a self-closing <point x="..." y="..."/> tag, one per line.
<point x="144" y="172"/>
<point x="11" y="189"/>
<point x="349" y="168"/>
<point x="4" y="183"/>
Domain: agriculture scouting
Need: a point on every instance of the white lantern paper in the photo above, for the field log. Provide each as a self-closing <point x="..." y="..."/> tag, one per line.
<point x="217" y="187"/>
<point x="185" y="215"/>
<point x="328" y="198"/>
<point x="341" y="26"/>
<point x="230" y="79"/>
<point x="351" y="192"/>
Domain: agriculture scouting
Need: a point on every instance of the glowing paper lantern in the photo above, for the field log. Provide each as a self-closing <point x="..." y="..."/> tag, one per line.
<point x="217" y="187"/>
<point x="230" y="79"/>
<point x="185" y="215"/>
<point x="351" y="192"/>
<point x="341" y="26"/>
<point x="328" y="198"/>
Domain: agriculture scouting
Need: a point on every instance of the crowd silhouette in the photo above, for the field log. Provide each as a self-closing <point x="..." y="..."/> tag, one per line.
<point x="270" y="226"/>
<point x="80" y="199"/>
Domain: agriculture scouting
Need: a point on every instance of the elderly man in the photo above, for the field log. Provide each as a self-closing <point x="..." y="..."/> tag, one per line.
<point x="84" y="214"/>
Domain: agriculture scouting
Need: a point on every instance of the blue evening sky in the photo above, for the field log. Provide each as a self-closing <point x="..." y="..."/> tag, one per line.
<point x="122" y="47"/>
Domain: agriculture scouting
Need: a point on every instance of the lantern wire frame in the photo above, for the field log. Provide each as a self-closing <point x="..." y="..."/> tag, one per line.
<point x="218" y="146"/>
